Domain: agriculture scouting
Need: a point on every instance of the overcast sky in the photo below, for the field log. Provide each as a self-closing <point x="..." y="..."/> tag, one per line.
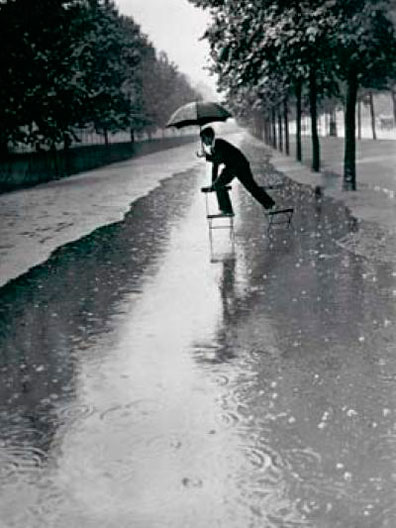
<point x="174" y="26"/>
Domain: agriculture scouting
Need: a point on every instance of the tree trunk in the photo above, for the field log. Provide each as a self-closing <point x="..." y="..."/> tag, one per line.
<point x="258" y="126"/>
<point x="298" y="120"/>
<point x="313" y="101"/>
<point x="266" y="131"/>
<point x="350" y="132"/>
<point x="333" y="123"/>
<point x="55" y="158"/>
<point x="393" y="95"/>
<point x="280" y="130"/>
<point x="132" y="135"/>
<point x="66" y="142"/>
<point x="286" y="120"/>
<point x="273" y="119"/>
<point x="106" y="137"/>
<point x="359" y="118"/>
<point x="4" y="150"/>
<point x="372" y="115"/>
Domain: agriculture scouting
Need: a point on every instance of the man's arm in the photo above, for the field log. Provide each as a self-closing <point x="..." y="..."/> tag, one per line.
<point x="215" y="170"/>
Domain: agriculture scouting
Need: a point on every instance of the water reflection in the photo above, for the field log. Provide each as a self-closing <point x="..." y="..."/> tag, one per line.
<point x="51" y="317"/>
<point x="311" y="329"/>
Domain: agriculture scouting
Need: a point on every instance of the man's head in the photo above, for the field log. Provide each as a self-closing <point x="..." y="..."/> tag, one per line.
<point x="207" y="135"/>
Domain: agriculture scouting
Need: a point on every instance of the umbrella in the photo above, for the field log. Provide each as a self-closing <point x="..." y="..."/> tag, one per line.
<point x="198" y="113"/>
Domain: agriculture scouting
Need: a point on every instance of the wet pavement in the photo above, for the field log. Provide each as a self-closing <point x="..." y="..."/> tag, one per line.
<point x="151" y="379"/>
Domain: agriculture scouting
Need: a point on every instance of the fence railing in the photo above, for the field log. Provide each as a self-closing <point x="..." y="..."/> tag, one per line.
<point x="23" y="170"/>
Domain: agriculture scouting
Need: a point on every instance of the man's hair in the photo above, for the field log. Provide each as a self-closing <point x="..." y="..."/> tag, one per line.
<point x="207" y="132"/>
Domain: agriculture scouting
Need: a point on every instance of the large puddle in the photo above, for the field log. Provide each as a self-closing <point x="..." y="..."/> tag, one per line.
<point x="148" y="379"/>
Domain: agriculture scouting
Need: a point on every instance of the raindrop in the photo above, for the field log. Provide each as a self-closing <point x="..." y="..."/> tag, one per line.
<point x="227" y="419"/>
<point x="192" y="482"/>
<point x="222" y="379"/>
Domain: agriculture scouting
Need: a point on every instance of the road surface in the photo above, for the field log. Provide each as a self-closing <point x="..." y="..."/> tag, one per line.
<point x="150" y="379"/>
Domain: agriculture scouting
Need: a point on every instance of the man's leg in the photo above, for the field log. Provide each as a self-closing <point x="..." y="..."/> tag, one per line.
<point x="222" y="195"/>
<point x="255" y="190"/>
<point x="224" y="201"/>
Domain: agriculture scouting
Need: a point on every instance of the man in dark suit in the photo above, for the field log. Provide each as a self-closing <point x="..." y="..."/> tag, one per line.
<point x="221" y="152"/>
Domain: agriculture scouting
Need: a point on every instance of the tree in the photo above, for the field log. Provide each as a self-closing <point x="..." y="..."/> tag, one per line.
<point x="364" y="47"/>
<point x="270" y="47"/>
<point x="164" y="89"/>
<point x="273" y="48"/>
<point x="37" y="70"/>
<point x="76" y="63"/>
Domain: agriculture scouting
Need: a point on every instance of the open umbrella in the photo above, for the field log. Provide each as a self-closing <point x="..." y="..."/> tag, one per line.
<point x="198" y="113"/>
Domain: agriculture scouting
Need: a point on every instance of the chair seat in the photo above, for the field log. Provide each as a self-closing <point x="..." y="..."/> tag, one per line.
<point x="210" y="189"/>
<point x="287" y="210"/>
<point x="220" y="215"/>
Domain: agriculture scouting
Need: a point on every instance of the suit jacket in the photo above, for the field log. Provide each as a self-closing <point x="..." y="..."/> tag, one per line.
<point x="225" y="153"/>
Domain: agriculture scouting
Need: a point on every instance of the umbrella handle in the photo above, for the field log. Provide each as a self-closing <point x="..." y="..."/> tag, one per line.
<point x="201" y="153"/>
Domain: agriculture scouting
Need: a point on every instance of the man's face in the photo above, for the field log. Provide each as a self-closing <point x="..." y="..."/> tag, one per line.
<point x="206" y="140"/>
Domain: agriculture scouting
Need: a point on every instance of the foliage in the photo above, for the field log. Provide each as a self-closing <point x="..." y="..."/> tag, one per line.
<point x="262" y="49"/>
<point x="76" y="63"/>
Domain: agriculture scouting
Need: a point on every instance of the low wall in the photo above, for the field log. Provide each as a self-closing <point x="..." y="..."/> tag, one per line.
<point x="25" y="170"/>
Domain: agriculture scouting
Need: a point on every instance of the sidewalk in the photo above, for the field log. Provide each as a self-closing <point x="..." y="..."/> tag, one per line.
<point x="373" y="204"/>
<point x="38" y="220"/>
<point x="375" y="198"/>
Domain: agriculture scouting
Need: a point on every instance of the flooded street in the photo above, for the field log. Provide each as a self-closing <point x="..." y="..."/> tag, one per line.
<point x="150" y="379"/>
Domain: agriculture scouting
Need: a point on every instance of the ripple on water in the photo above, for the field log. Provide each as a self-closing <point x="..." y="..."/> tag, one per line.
<point x="222" y="379"/>
<point x="263" y="476"/>
<point x="258" y="459"/>
<point x="382" y="449"/>
<point x="74" y="413"/>
<point x="132" y="411"/>
<point x="20" y="461"/>
<point x="213" y="354"/>
<point x="227" y="419"/>
<point x="303" y="463"/>
<point x="20" y="433"/>
<point x="266" y="492"/>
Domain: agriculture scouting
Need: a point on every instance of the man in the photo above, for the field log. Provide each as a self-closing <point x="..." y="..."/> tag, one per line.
<point x="235" y="165"/>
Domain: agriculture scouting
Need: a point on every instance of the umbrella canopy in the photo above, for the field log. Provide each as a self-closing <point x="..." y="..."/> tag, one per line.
<point x="198" y="113"/>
